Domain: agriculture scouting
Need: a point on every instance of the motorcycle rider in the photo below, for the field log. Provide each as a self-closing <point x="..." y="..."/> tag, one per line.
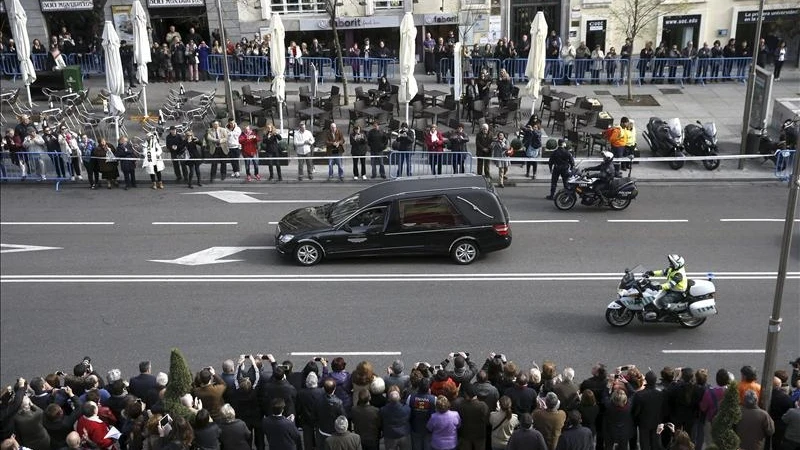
<point x="605" y="173"/>
<point x="675" y="286"/>
<point x="561" y="163"/>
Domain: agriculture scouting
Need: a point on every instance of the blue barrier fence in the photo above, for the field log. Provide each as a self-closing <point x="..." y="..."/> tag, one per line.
<point x="784" y="164"/>
<point x="611" y="71"/>
<point x="90" y="63"/>
<point x="429" y="163"/>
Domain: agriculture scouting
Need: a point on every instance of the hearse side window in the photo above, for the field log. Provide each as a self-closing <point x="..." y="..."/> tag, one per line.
<point x="428" y="213"/>
<point x="372" y="218"/>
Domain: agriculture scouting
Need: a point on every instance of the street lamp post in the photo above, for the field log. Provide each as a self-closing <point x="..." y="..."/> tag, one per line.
<point x="225" y="71"/>
<point x="751" y="84"/>
<point x="775" y="320"/>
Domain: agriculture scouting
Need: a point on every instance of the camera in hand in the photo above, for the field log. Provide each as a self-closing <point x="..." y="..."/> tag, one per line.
<point x="317" y="359"/>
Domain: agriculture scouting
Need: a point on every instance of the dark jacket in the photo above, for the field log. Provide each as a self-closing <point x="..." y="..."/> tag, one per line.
<point x="526" y="439"/>
<point x="234" y="435"/>
<point x="377" y="141"/>
<point x="307" y="400"/>
<point x="126" y="151"/>
<point x="141" y="384"/>
<point x="618" y="423"/>
<point x="561" y="159"/>
<point x="358" y="143"/>
<point x="483" y="144"/>
<point x="405" y="139"/>
<point x="59" y="429"/>
<point x="605" y="170"/>
<point x="575" y="438"/>
<point x="29" y="430"/>
<point x="487" y="394"/>
<point x="207" y="438"/>
<point x="281" y="433"/>
<point x="366" y="421"/>
<point x="343" y="441"/>
<point x="273" y="389"/>
<point x="474" y="419"/>
<point x="523" y="399"/>
<point x="327" y="409"/>
<point x="648" y="408"/>
<point x="246" y="404"/>
<point x="395" y="418"/>
<point x="422" y="407"/>
<point x="179" y="144"/>
<point x="271" y="145"/>
<point x="567" y="392"/>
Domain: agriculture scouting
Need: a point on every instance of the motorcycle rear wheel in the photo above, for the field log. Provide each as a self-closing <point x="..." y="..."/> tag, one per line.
<point x="711" y="164"/>
<point x="618" y="204"/>
<point x="675" y="165"/>
<point x="619" y="317"/>
<point x="565" y="200"/>
<point x="692" y="322"/>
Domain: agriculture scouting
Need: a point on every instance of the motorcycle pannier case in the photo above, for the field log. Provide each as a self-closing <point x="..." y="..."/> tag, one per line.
<point x="703" y="308"/>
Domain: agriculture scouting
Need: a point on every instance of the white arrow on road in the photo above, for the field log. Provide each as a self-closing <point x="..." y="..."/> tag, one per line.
<point x="16" y="248"/>
<point x="245" y="197"/>
<point x="210" y="255"/>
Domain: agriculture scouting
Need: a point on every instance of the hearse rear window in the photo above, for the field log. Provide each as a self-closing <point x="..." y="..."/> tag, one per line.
<point x="428" y="213"/>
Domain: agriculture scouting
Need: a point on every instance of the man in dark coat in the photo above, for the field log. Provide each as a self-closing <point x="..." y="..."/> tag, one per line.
<point x="396" y="421"/>
<point x="648" y="412"/>
<point x="342" y="439"/>
<point x="474" y="419"/>
<point x="464" y="369"/>
<point x="280" y="431"/>
<point x="525" y="437"/>
<point x="279" y="387"/>
<point x="575" y="436"/>
<point x="523" y="398"/>
<point x="141" y="384"/>
<point x="560" y="163"/>
<point x="366" y="421"/>
<point x="377" y="140"/>
<point x="780" y="403"/>
<point x="597" y="384"/>
<point x="307" y="399"/>
<point x="326" y="411"/>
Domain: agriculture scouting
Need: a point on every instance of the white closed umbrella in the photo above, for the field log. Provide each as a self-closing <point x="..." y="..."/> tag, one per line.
<point x="141" y="49"/>
<point x="458" y="80"/>
<point x="536" y="58"/>
<point x="115" y="81"/>
<point x="277" y="57"/>
<point x="408" y="84"/>
<point x="19" y="30"/>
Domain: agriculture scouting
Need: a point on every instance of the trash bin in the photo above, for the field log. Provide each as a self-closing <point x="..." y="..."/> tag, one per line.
<point x="73" y="78"/>
<point x="753" y="142"/>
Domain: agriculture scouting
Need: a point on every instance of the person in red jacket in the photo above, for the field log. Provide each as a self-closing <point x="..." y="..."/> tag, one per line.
<point x="92" y="429"/>
<point x="434" y="143"/>
<point x="249" y="142"/>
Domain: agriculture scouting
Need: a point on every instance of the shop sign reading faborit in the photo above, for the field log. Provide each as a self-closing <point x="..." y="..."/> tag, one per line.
<point x="440" y="19"/>
<point x="343" y="23"/>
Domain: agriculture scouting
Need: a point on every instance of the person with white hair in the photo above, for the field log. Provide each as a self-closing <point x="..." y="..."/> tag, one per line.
<point x="307" y="397"/>
<point x="234" y="432"/>
<point x="567" y="390"/>
<point x="342" y="439"/>
<point x="756" y="425"/>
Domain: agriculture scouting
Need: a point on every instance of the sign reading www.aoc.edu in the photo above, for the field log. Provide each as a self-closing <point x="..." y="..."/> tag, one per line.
<point x="173" y="3"/>
<point x="66" y="5"/>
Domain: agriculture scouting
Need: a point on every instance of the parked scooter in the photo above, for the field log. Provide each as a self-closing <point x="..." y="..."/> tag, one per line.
<point x="665" y="139"/>
<point x="701" y="140"/>
<point x="787" y="139"/>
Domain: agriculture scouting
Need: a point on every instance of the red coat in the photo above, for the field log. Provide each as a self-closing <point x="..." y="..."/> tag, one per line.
<point x="249" y="143"/>
<point x="94" y="429"/>
<point x="437" y="146"/>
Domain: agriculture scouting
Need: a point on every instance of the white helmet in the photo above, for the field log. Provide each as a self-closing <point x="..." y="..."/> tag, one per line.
<point x="608" y="156"/>
<point x="675" y="261"/>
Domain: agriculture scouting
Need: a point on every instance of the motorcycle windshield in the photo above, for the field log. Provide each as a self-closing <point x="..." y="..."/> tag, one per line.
<point x="630" y="276"/>
<point x="675" y="127"/>
<point x="710" y="129"/>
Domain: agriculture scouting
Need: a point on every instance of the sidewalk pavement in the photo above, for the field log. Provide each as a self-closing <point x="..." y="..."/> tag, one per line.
<point x="722" y="103"/>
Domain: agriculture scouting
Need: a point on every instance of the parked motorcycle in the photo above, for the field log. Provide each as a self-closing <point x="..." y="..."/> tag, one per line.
<point x="701" y="140"/>
<point x="621" y="192"/>
<point x="787" y="139"/>
<point x="665" y="139"/>
<point x="634" y="294"/>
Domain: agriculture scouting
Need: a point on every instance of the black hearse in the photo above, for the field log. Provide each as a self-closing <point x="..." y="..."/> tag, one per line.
<point x="459" y="215"/>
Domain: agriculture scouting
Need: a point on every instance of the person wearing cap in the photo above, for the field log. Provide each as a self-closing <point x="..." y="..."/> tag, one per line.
<point x="175" y="144"/>
<point x="551" y="420"/>
<point x="526" y="437"/>
<point x="648" y="405"/>
<point x="561" y="162"/>
<point x="756" y="425"/>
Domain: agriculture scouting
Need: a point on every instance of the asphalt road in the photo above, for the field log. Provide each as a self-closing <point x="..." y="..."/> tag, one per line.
<point x="101" y="294"/>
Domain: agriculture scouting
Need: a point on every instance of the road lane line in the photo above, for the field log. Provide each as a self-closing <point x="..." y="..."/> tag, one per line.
<point x="546" y="221"/>
<point x="56" y="223"/>
<point x="345" y="353"/>
<point x="395" y="275"/>
<point x="716" y="351"/>
<point x="195" y="223"/>
<point x="647" y="220"/>
<point x="756" y="220"/>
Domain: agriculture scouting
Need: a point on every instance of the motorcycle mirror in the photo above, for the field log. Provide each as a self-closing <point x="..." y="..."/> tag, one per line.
<point x="698" y="122"/>
<point x="710" y="276"/>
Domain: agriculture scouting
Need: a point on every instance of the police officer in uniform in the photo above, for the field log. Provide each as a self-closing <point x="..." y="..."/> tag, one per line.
<point x="560" y="163"/>
<point x="675" y="286"/>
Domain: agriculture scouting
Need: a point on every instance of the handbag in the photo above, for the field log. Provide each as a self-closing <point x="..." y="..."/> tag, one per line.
<point x="395" y="145"/>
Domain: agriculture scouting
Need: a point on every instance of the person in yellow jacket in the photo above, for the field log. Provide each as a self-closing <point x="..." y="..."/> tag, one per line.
<point x="675" y="286"/>
<point x="630" y="143"/>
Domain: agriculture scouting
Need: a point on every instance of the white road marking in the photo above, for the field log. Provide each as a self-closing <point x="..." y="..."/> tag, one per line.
<point x="756" y="220"/>
<point x="647" y="220"/>
<point x="546" y="221"/>
<point x="210" y="255"/>
<point x="56" y="223"/>
<point x="701" y="352"/>
<point x="346" y="353"/>
<point x="358" y="277"/>
<point x="17" y="248"/>
<point x="195" y="223"/>
<point x="240" y="197"/>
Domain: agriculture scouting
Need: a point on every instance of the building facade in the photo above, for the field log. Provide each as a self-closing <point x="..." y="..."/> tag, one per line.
<point x="473" y="21"/>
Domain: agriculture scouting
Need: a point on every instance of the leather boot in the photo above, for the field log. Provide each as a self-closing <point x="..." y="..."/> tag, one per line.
<point x="161" y="185"/>
<point x="155" y="186"/>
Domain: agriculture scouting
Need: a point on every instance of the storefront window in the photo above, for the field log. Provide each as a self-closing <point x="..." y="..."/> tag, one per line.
<point x="297" y="6"/>
<point x="388" y="4"/>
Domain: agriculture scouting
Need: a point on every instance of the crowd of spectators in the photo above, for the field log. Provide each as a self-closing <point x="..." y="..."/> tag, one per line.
<point x="456" y="404"/>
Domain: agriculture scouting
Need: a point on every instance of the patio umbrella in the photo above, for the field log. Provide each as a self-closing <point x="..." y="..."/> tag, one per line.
<point x="408" y="84"/>
<point x="535" y="68"/>
<point x="115" y="80"/>
<point x="141" y="49"/>
<point x="19" y="30"/>
<point x="277" y="58"/>
<point x="458" y="80"/>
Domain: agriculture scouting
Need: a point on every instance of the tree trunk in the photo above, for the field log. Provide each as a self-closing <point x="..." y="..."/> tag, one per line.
<point x="630" y="80"/>
<point x="339" y="58"/>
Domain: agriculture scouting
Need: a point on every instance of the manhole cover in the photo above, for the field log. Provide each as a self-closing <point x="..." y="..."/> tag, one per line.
<point x="602" y="92"/>
<point x="671" y="91"/>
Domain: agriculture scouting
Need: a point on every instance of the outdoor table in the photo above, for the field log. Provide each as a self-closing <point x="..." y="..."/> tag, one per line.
<point x="192" y="94"/>
<point x="250" y="109"/>
<point x="575" y="112"/>
<point x="312" y="111"/>
<point x="262" y="93"/>
<point x="436" y="110"/>
<point x="562" y="96"/>
<point x="372" y="111"/>
<point x="434" y="94"/>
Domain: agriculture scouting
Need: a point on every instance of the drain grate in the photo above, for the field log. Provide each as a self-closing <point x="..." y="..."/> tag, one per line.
<point x="671" y="91"/>
<point x="602" y="92"/>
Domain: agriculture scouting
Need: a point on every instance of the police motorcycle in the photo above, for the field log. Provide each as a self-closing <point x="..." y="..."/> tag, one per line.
<point x="636" y="291"/>
<point x="665" y="139"/>
<point x="700" y="139"/>
<point x="787" y="140"/>
<point x="619" y="196"/>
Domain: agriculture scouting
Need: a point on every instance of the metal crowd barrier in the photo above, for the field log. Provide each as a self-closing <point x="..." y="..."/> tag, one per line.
<point x="39" y="167"/>
<point x="368" y="69"/>
<point x="423" y="163"/>
<point x="784" y="164"/>
<point x="91" y="63"/>
<point x="259" y="67"/>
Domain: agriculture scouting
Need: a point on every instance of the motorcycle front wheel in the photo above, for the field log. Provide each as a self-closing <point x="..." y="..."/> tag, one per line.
<point x="619" y="317"/>
<point x="618" y="204"/>
<point x="691" y="322"/>
<point x="711" y="164"/>
<point x="565" y="200"/>
<point x="675" y="165"/>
